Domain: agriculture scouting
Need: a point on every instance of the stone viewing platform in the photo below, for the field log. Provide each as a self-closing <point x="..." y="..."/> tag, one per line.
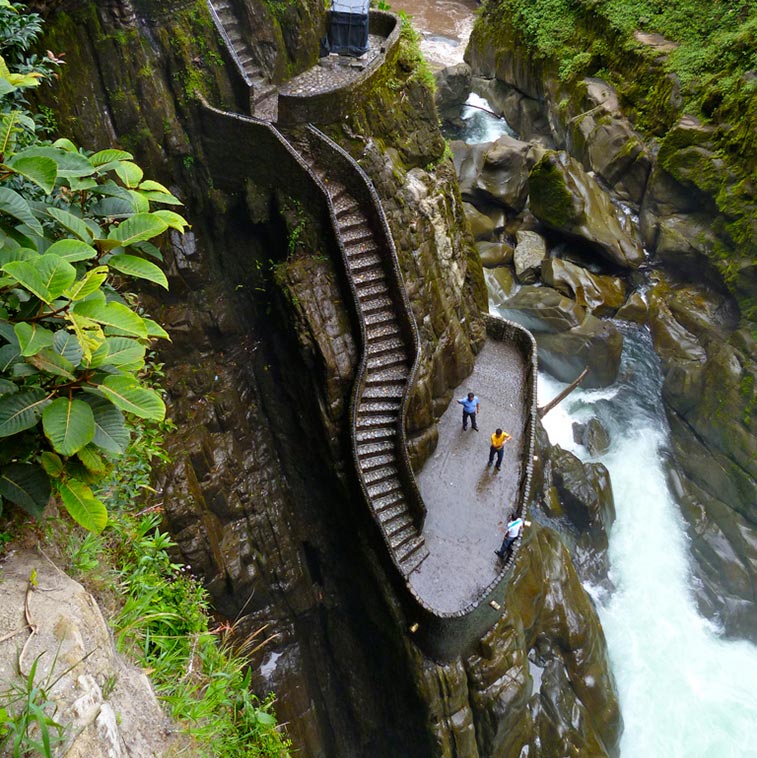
<point x="467" y="502"/>
<point x="333" y="72"/>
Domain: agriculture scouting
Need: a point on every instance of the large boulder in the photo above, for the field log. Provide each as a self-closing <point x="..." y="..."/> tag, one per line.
<point x="503" y="177"/>
<point x="481" y="225"/>
<point x="593" y="343"/>
<point x="494" y="254"/>
<point x="565" y="198"/>
<point x="529" y="255"/>
<point x="543" y="309"/>
<point x="599" y="135"/>
<point x="601" y="295"/>
<point x="569" y="338"/>
<point x="453" y="85"/>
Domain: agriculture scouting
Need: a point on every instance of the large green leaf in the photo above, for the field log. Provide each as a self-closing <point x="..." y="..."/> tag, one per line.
<point x="142" y="226"/>
<point x="66" y="345"/>
<point x="83" y="506"/>
<point x="129" y="173"/>
<point x="38" y="169"/>
<point x="8" y="254"/>
<point x="69" y="424"/>
<point x="111" y="432"/>
<point x="68" y="163"/>
<point x="114" y="315"/>
<point x="71" y="223"/>
<point x="138" y="268"/>
<point x="92" y="460"/>
<point x="88" y="284"/>
<point x="27" y="485"/>
<point x="155" y="330"/>
<point x="115" y="207"/>
<point x="32" y="337"/>
<point x="126" y="393"/>
<point x="21" y="410"/>
<point x="9" y="354"/>
<point x="72" y="250"/>
<point x="50" y="362"/>
<point x="7" y="386"/>
<point x="46" y="277"/>
<point x="160" y="197"/>
<point x="102" y="157"/>
<point x="121" y="351"/>
<point x="174" y="220"/>
<point x="12" y="203"/>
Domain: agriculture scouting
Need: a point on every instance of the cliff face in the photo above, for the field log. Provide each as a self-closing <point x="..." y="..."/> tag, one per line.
<point x="258" y="376"/>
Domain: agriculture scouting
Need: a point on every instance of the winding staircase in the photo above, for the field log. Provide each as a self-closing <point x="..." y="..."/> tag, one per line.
<point x="388" y="360"/>
<point x="263" y="93"/>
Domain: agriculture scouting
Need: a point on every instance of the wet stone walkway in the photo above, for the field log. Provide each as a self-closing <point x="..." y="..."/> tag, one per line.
<point x="335" y="71"/>
<point x="467" y="503"/>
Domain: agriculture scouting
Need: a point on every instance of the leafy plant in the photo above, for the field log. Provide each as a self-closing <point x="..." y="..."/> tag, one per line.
<point x="27" y="715"/>
<point x="73" y="228"/>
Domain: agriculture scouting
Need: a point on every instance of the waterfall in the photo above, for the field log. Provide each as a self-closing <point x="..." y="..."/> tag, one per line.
<point x="684" y="692"/>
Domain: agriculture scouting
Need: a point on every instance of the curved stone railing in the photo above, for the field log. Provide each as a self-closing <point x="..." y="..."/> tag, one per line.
<point x="329" y="105"/>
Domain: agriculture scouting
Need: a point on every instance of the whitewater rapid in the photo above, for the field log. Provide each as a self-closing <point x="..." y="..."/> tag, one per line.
<point x="684" y="692"/>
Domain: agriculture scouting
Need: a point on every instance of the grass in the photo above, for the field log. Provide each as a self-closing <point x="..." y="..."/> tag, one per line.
<point x="160" y="616"/>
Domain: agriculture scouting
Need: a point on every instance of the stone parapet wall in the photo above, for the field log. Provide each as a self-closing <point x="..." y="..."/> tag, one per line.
<point x="333" y="104"/>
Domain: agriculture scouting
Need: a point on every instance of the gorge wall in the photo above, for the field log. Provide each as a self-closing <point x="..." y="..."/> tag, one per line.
<point x="259" y="494"/>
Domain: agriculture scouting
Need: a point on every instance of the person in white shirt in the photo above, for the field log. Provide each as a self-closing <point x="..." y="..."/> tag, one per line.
<point x="514" y="530"/>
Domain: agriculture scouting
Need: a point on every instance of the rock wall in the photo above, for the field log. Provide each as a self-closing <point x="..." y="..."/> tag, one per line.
<point x="258" y="375"/>
<point x="697" y="283"/>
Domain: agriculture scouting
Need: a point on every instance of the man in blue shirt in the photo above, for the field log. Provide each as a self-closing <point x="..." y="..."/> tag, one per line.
<point x="514" y="530"/>
<point x="470" y="408"/>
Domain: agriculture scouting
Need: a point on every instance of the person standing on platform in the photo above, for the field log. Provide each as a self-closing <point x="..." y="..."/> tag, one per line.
<point x="498" y="447"/>
<point x="470" y="408"/>
<point x="514" y="530"/>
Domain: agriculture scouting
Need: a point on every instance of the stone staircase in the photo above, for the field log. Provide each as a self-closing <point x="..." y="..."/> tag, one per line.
<point x="388" y="361"/>
<point x="263" y="93"/>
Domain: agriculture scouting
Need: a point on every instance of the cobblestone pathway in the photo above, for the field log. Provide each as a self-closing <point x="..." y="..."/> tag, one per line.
<point x="335" y="71"/>
<point x="467" y="503"/>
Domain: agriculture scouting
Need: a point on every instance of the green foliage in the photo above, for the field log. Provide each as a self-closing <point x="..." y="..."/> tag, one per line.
<point x="27" y="715"/>
<point x="73" y="227"/>
<point x="411" y="58"/>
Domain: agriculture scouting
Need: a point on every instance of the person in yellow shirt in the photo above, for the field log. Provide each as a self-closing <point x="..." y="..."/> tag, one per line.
<point x="498" y="447"/>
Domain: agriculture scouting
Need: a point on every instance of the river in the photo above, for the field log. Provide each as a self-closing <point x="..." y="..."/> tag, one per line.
<point x="684" y="691"/>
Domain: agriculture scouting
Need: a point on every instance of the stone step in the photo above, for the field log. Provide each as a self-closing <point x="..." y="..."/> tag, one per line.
<point x="380" y="361"/>
<point x="371" y="476"/>
<point x="388" y="508"/>
<point x="384" y="331"/>
<point x="367" y="463"/>
<point x="375" y="435"/>
<point x="369" y="276"/>
<point x="386" y="390"/>
<point x="385" y="376"/>
<point x="363" y="260"/>
<point x="350" y="237"/>
<point x="386" y="344"/>
<point x="372" y="421"/>
<point x="377" y="305"/>
<point x="383" y="488"/>
<point x="393" y="526"/>
<point x="402" y="536"/>
<point x="378" y="406"/>
<point x="413" y="558"/>
<point x="367" y="452"/>
<point x="353" y="220"/>
<point x="369" y="290"/>
<point x="380" y="317"/>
